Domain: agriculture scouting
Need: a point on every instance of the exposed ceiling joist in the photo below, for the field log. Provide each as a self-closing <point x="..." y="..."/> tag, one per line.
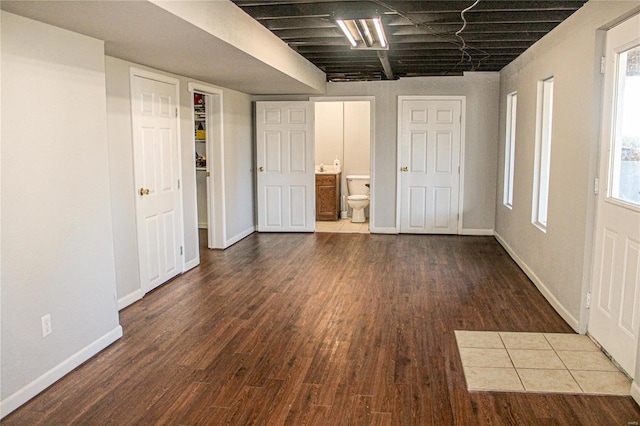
<point x="421" y="34"/>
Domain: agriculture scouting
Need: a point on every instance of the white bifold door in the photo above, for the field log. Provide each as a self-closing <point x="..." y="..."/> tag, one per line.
<point x="429" y="138"/>
<point x="156" y="176"/>
<point x="285" y="162"/>
<point x="614" y="320"/>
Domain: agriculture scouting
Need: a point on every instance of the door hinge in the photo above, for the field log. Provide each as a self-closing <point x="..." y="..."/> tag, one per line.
<point x="176" y="112"/>
<point x="181" y="251"/>
<point x="458" y="169"/>
<point x="603" y="64"/>
<point x="596" y="185"/>
<point x="178" y="183"/>
<point x="588" y="304"/>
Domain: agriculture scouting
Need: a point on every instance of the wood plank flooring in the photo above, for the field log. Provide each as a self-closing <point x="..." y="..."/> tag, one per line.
<point x="320" y="329"/>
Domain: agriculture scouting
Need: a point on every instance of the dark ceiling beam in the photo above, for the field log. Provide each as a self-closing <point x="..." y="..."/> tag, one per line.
<point x="555" y="16"/>
<point x="452" y="18"/>
<point x="439" y="60"/>
<point x="490" y="44"/>
<point x="448" y="18"/>
<point x="414" y="56"/>
<point x="313" y="33"/>
<point x="426" y="38"/>
<point x="309" y="50"/>
<point x="298" y="23"/>
<point x="410" y="6"/>
<point x="396" y="42"/>
<point x="424" y="61"/>
<point x="424" y="64"/>
<point x="536" y="27"/>
<point x="268" y="10"/>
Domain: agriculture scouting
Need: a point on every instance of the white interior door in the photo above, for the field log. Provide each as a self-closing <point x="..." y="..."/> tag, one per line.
<point x="156" y="175"/>
<point x="615" y="307"/>
<point x="285" y="160"/>
<point x="429" y="132"/>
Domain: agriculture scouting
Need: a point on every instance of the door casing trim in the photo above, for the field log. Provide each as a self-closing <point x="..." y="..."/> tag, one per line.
<point x="463" y="113"/>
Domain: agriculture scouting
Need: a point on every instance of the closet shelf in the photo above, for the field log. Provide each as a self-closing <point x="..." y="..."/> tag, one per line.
<point x="201" y="169"/>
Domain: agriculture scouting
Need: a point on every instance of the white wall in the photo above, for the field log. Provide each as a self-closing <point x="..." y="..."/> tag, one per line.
<point x="57" y="245"/>
<point x="329" y="132"/>
<point x="238" y="153"/>
<point x="481" y="91"/>
<point x="558" y="261"/>
<point x="357" y="138"/>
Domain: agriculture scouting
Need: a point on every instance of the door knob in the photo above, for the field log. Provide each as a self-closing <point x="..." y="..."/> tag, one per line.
<point x="261" y="169"/>
<point x="404" y="169"/>
<point x="143" y="191"/>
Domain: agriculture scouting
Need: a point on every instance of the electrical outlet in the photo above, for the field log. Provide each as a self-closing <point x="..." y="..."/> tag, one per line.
<point x="46" y="325"/>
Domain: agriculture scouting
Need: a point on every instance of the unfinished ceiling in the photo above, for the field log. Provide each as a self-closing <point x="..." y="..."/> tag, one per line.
<point x="426" y="38"/>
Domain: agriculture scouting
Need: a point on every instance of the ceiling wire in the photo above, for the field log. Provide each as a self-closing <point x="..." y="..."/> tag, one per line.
<point x="462" y="45"/>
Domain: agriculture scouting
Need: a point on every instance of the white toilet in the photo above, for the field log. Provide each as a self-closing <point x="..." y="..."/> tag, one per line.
<point x="358" y="199"/>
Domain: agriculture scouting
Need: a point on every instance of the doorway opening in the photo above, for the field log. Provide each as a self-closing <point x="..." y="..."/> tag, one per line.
<point x="344" y="134"/>
<point x="208" y="154"/>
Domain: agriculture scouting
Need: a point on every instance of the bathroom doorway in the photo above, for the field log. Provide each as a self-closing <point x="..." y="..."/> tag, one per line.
<point x="344" y="131"/>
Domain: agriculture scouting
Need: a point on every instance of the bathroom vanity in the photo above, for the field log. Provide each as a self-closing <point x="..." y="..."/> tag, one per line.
<point x="327" y="195"/>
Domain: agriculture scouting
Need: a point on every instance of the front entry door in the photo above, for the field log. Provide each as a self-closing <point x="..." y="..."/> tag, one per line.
<point x="429" y="146"/>
<point x="615" y="309"/>
<point x="156" y="176"/>
<point x="285" y="160"/>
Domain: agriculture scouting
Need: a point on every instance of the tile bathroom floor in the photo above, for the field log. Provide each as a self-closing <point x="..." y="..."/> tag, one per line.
<point x="343" y="226"/>
<point x="537" y="362"/>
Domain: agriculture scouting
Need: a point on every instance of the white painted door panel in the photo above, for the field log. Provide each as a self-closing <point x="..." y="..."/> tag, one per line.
<point x="430" y="140"/>
<point x="285" y="160"/>
<point x="159" y="219"/>
<point x="614" y="319"/>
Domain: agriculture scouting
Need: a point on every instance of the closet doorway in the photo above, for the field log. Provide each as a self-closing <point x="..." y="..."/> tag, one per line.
<point x="208" y="148"/>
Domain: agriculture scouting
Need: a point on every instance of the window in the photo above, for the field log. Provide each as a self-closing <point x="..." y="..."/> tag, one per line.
<point x="543" y="154"/>
<point x="625" y="167"/>
<point x="510" y="149"/>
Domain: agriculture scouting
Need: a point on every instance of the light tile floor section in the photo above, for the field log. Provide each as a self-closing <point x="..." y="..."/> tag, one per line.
<point x="343" y="226"/>
<point x="537" y="362"/>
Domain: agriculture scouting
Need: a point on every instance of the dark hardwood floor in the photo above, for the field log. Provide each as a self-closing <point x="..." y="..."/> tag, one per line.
<point x="322" y="329"/>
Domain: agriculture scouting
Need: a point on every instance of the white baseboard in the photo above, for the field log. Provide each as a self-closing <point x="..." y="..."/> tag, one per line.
<point x="559" y="307"/>
<point x="231" y="241"/>
<point x="56" y="373"/>
<point x="127" y="300"/>
<point x="479" y="232"/>
<point x="382" y="230"/>
<point x="635" y="391"/>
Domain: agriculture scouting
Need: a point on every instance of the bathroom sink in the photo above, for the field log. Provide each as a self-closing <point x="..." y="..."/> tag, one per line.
<point x="327" y="172"/>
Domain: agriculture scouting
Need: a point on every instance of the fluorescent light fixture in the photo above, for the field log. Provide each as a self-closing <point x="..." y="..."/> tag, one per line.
<point x="361" y="35"/>
<point x="378" y="24"/>
<point x="364" y="28"/>
<point x="346" y="32"/>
